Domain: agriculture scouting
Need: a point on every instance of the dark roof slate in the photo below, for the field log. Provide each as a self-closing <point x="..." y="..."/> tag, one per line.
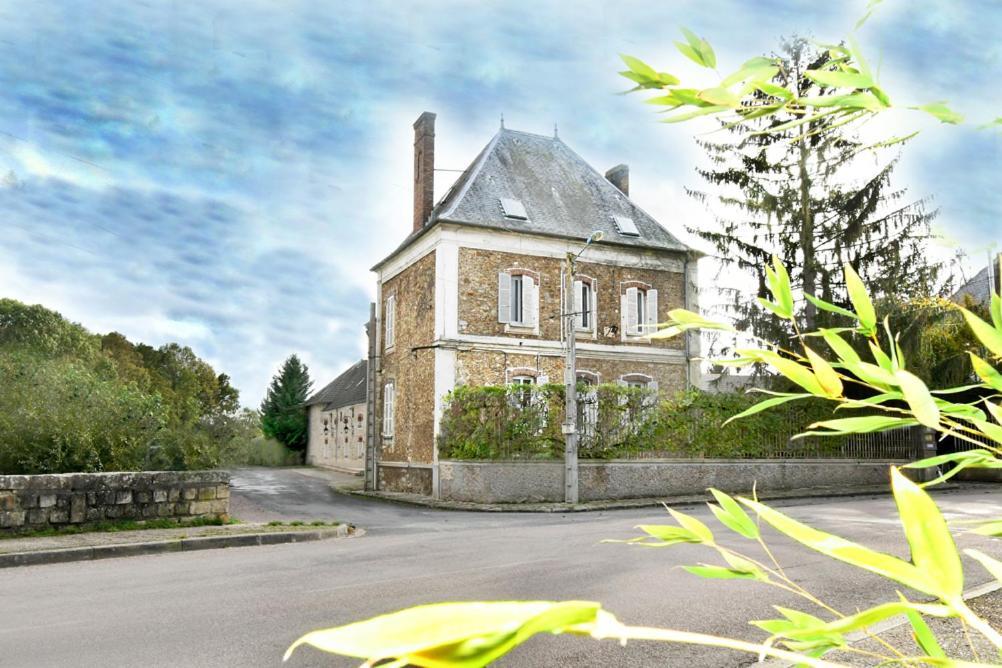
<point x="563" y="195"/>
<point x="979" y="288"/>
<point x="345" y="390"/>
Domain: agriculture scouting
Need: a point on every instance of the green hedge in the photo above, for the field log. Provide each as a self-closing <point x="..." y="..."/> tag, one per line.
<point x="523" y="422"/>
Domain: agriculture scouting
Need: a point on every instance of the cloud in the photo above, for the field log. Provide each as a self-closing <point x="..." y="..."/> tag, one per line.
<point x="225" y="174"/>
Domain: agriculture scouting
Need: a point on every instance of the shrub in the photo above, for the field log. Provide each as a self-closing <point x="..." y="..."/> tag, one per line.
<point x="523" y="422"/>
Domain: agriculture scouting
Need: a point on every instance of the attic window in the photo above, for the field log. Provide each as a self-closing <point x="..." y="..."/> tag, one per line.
<point x="626" y="226"/>
<point x="513" y="208"/>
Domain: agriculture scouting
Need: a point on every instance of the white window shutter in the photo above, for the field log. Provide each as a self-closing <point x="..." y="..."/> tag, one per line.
<point x="390" y="320"/>
<point x="504" y="297"/>
<point x="594" y="307"/>
<point x="578" y="305"/>
<point x="632" y="317"/>
<point x="530" y="301"/>
<point x="388" y="401"/>
<point x="652" y="311"/>
<point x="653" y="385"/>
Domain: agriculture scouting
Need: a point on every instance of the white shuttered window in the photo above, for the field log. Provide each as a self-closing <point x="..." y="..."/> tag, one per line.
<point x="389" y="405"/>
<point x="640" y="311"/>
<point x="390" y="320"/>
<point x="518" y="299"/>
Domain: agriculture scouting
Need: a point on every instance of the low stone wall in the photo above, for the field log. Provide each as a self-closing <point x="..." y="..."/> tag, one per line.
<point x="29" y="502"/>
<point x="540" y="482"/>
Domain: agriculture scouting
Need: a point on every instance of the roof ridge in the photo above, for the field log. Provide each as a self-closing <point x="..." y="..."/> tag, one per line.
<point x="531" y="134"/>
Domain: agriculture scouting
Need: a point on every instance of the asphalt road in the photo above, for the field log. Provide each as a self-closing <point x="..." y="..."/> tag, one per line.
<point x="244" y="606"/>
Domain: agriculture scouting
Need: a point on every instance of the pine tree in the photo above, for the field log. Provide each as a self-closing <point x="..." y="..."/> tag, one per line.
<point x="794" y="190"/>
<point x="283" y="414"/>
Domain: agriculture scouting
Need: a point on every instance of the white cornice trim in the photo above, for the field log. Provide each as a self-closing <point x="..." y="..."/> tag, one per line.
<point x="555" y="348"/>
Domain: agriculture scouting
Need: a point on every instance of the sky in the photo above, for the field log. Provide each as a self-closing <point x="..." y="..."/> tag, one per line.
<point x="224" y="174"/>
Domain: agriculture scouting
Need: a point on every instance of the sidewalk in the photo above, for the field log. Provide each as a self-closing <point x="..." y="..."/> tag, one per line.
<point x="104" y="544"/>
<point x="614" y="504"/>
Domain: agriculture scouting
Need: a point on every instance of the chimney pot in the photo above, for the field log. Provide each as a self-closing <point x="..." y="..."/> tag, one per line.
<point x="619" y="176"/>
<point x="424" y="168"/>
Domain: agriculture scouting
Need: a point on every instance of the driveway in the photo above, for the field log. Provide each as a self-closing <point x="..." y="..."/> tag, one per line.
<point x="244" y="606"/>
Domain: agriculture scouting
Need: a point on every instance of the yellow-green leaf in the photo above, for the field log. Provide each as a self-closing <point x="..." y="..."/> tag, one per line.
<point x="796" y="372"/>
<point x="694" y="526"/>
<point x="857" y="425"/>
<point x="766" y="404"/>
<point x="860" y="299"/>
<point x="918" y="398"/>
<point x="992" y="565"/>
<point x="450" y="634"/>
<point x="825" y="374"/>
<point x="845" y="352"/>
<point x="844" y="550"/>
<point x="940" y="111"/>
<point x="732" y="515"/>
<point x="986" y="372"/>
<point x="838" y="79"/>
<point x="721" y="573"/>
<point x="933" y="551"/>
<point x="990" y="337"/>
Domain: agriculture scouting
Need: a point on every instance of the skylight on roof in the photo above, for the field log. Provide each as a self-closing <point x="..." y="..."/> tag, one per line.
<point x="513" y="208"/>
<point x="626" y="226"/>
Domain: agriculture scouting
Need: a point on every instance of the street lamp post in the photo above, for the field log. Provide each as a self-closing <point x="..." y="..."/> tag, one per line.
<point x="570" y="425"/>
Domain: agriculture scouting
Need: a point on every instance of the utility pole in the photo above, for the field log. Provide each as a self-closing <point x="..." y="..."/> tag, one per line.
<point x="570" y="427"/>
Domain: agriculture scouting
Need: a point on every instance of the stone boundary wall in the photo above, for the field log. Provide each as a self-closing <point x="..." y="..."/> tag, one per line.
<point x="30" y="502"/>
<point x="542" y="482"/>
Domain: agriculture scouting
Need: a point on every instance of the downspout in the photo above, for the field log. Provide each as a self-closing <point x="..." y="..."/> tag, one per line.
<point x="685" y="305"/>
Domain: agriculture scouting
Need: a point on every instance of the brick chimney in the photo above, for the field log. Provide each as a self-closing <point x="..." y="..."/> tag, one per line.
<point x="424" y="168"/>
<point x="619" y="176"/>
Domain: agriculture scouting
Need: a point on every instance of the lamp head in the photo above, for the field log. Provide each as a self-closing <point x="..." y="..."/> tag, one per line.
<point x="597" y="235"/>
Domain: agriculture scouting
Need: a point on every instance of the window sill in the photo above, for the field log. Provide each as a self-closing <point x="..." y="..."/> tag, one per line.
<point x="511" y="328"/>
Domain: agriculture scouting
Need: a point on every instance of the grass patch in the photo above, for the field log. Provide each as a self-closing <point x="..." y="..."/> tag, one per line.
<point x="112" y="526"/>
<point x="302" y="523"/>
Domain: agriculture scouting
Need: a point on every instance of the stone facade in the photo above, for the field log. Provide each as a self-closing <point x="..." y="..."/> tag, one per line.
<point x="478" y="295"/>
<point x="409" y="365"/>
<point x="29" y="502"/>
<point x="337" y="437"/>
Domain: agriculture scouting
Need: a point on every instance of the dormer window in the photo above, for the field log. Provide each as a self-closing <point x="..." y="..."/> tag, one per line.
<point x="513" y="209"/>
<point x="626" y="226"/>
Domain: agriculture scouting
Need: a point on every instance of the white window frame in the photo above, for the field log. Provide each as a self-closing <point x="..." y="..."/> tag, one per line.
<point x="390" y="322"/>
<point x="581" y="325"/>
<point x="518" y="300"/>
<point x="389" y="409"/>
<point x="639" y="312"/>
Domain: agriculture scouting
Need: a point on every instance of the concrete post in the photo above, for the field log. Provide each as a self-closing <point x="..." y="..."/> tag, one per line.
<point x="569" y="427"/>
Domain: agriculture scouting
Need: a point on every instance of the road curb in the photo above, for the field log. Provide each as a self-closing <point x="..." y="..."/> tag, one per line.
<point x="618" y="504"/>
<point x="88" y="553"/>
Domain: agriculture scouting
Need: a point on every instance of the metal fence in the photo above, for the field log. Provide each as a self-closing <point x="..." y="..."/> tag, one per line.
<point x="520" y="423"/>
<point x="895" y="445"/>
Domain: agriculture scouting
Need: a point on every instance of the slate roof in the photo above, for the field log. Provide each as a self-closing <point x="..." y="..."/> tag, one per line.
<point x="979" y="288"/>
<point x="345" y="390"/>
<point x="563" y="195"/>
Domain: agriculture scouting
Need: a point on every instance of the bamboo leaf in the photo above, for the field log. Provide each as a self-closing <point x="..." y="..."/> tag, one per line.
<point x="839" y="79"/>
<point x="986" y="372"/>
<point x="737" y="519"/>
<point x="857" y="425"/>
<point x="860" y="300"/>
<point x="458" y="635"/>
<point x="720" y="573"/>
<point x="825" y="306"/>
<point x="693" y="526"/>
<point x="993" y="566"/>
<point x="933" y="551"/>
<point x="766" y="404"/>
<point x="940" y="111"/>
<point x="694" y="114"/>
<point x="844" y="550"/>
<point x="990" y="337"/>
<point x="918" y="398"/>
<point x="845" y="352"/>
<point x="825" y="374"/>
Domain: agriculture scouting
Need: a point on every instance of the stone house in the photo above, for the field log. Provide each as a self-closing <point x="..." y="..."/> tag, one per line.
<point x="474" y="293"/>
<point x="336" y="414"/>
<point x="980" y="288"/>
